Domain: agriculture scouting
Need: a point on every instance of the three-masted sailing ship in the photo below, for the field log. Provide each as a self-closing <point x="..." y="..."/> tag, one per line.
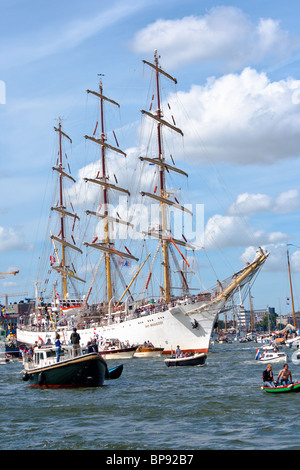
<point x="171" y="320"/>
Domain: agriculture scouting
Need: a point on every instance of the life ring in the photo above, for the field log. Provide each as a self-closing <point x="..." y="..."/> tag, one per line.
<point x="41" y="379"/>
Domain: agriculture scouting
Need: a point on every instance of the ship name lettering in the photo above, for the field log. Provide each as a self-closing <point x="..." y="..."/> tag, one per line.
<point x="154" y="324"/>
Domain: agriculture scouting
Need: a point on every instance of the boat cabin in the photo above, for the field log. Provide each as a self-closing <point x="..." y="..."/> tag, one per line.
<point x="45" y="356"/>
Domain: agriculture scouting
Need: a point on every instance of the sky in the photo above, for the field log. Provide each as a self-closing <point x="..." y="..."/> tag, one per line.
<point x="237" y="101"/>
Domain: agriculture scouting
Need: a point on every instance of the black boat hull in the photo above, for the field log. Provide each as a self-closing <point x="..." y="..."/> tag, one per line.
<point x="197" y="360"/>
<point x="88" y="370"/>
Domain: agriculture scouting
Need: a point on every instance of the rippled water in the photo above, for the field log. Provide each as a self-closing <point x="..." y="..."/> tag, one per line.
<point x="150" y="407"/>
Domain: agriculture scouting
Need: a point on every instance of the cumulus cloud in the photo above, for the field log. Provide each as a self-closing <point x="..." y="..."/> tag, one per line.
<point x="12" y="239"/>
<point x="287" y="201"/>
<point x="242" y="118"/>
<point x="234" y="228"/>
<point x="248" y="204"/>
<point x="224" y="34"/>
<point x="224" y="231"/>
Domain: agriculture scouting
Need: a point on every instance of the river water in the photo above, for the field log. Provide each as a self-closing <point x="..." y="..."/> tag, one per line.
<point x="219" y="406"/>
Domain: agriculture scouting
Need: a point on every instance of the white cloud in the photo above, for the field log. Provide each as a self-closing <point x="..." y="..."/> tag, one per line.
<point x="239" y="118"/>
<point x="234" y="228"/>
<point x="288" y="201"/>
<point x="224" y="34"/>
<point x="248" y="204"/>
<point x="12" y="239"/>
<point x="224" y="231"/>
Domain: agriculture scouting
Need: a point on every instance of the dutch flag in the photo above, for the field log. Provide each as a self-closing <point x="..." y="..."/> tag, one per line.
<point x="257" y="354"/>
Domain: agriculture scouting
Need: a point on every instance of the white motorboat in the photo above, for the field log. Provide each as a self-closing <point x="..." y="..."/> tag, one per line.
<point x="114" y="349"/>
<point x="293" y="342"/>
<point x="272" y="356"/>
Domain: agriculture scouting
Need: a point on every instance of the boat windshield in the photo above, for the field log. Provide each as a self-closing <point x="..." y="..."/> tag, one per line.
<point x="51" y="353"/>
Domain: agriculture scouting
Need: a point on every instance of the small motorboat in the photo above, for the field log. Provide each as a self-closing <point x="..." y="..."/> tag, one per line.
<point x="148" y="350"/>
<point x="193" y="359"/>
<point x="223" y="339"/>
<point x="85" y="370"/>
<point x="283" y="388"/>
<point x="114" y="349"/>
<point x="272" y="356"/>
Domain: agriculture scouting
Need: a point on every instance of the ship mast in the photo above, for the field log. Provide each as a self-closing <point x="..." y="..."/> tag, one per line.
<point x="105" y="200"/>
<point x="291" y="286"/>
<point x="103" y="181"/>
<point x="62" y="225"/>
<point x="162" y="183"/>
<point x="163" y="199"/>
<point x="62" y="267"/>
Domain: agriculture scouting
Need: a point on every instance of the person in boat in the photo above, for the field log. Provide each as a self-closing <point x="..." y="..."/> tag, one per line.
<point x="268" y="377"/>
<point x="95" y="345"/>
<point x="178" y="352"/>
<point x="89" y="348"/>
<point x="75" y="338"/>
<point x="58" y="347"/>
<point x="285" y="375"/>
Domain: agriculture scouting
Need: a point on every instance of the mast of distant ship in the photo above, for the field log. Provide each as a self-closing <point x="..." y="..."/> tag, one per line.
<point x="62" y="268"/>
<point x="291" y="286"/>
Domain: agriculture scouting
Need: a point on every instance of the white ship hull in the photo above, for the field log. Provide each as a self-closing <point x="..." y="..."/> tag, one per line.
<point x="165" y="329"/>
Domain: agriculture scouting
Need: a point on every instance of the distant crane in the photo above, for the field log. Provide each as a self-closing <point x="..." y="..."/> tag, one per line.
<point x="17" y="294"/>
<point x="11" y="272"/>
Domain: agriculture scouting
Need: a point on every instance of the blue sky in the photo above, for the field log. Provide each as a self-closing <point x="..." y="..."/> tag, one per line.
<point x="238" y="71"/>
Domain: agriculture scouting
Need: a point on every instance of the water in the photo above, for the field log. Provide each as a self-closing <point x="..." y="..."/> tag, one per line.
<point x="152" y="407"/>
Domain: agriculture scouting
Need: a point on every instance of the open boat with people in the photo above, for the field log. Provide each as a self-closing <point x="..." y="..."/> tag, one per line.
<point x="295" y="387"/>
<point x="114" y="349"/>
<point x="177" y="310"/>
<point x="85" y="370"/>
<point x="192" y="359"/>
<point x="148" y="350"/>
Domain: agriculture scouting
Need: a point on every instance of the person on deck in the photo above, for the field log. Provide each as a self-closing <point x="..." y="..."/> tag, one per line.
<point x="58" y="347"/>
<point x="75" y="338"/>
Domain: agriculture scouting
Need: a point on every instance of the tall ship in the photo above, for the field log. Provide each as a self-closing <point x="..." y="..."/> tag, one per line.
<point x="178" y="314"/>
